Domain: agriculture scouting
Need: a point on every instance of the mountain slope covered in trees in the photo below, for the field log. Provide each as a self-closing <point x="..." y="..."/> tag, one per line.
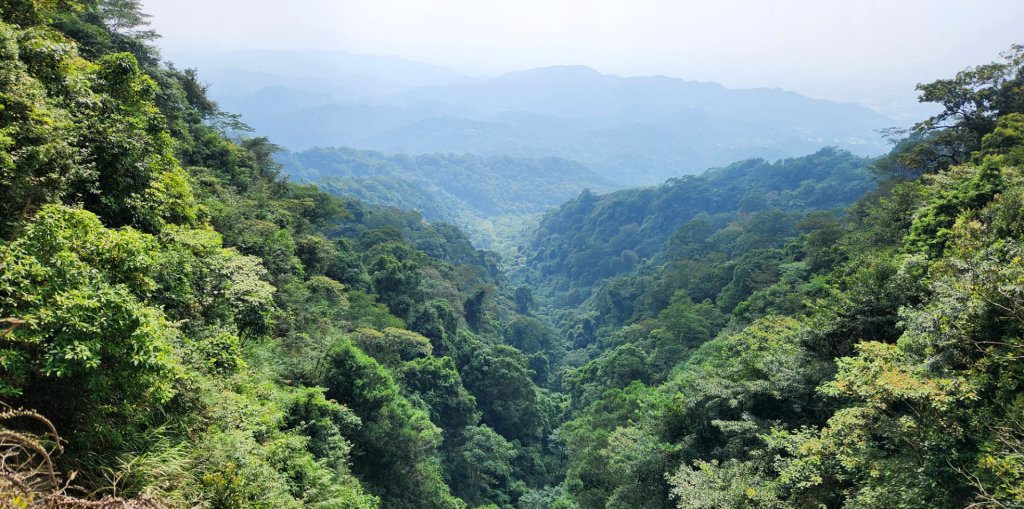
<point x="866" y="358"/>
<point x="475" y="193"/>
<point x="202" y="333"/>
<point x="593" y="237"/>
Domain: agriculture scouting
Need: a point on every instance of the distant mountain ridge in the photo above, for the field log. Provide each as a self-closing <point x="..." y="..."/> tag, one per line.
<point x="339" y="75"/>
<point x="631" y="130"/>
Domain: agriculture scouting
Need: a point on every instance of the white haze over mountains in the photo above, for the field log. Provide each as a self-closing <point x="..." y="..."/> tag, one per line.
<point x="866" y="51"/>
<point x="631" y="131"/>
<point x="313" y="82"/>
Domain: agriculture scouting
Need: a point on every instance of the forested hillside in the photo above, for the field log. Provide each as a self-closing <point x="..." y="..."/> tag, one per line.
<point x="182" y="326"/>
<point x="592" y="237"/>
<point x="477" y="194"/>
<point x="864" y="357"/>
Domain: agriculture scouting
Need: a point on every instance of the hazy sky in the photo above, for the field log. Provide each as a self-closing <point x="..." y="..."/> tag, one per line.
<point x="869" y="51"/>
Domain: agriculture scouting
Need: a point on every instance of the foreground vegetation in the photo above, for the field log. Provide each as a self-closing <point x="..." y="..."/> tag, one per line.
<point x="202" y="333"/>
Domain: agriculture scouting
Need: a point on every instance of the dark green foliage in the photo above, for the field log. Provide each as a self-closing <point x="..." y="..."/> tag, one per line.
<point x="396" y="282"/>
<point x="500" y="379"/>
<point x="523" y="299"/>
<point x="686" y="326"/>
<point x="529" y="335"/>
<point x="437" y="382"/>
<point x="325" y="423"/>
<point x="395" y="445"/>
<point x="482" y="467"/>
<point x="474" y="309"/>
<point x="437" y="320"/>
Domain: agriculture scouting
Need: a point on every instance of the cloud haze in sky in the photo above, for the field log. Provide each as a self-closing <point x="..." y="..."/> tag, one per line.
<point x="869" y="51"/>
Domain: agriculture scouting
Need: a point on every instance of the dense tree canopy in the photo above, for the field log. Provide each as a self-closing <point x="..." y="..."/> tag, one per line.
<point x="824" y="331"/>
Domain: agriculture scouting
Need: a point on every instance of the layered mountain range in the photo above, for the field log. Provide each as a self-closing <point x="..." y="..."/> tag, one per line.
<point x="630" y="130"/>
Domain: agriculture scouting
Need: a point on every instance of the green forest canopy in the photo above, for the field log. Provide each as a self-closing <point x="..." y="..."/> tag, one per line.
<point x="202" y="332"/>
